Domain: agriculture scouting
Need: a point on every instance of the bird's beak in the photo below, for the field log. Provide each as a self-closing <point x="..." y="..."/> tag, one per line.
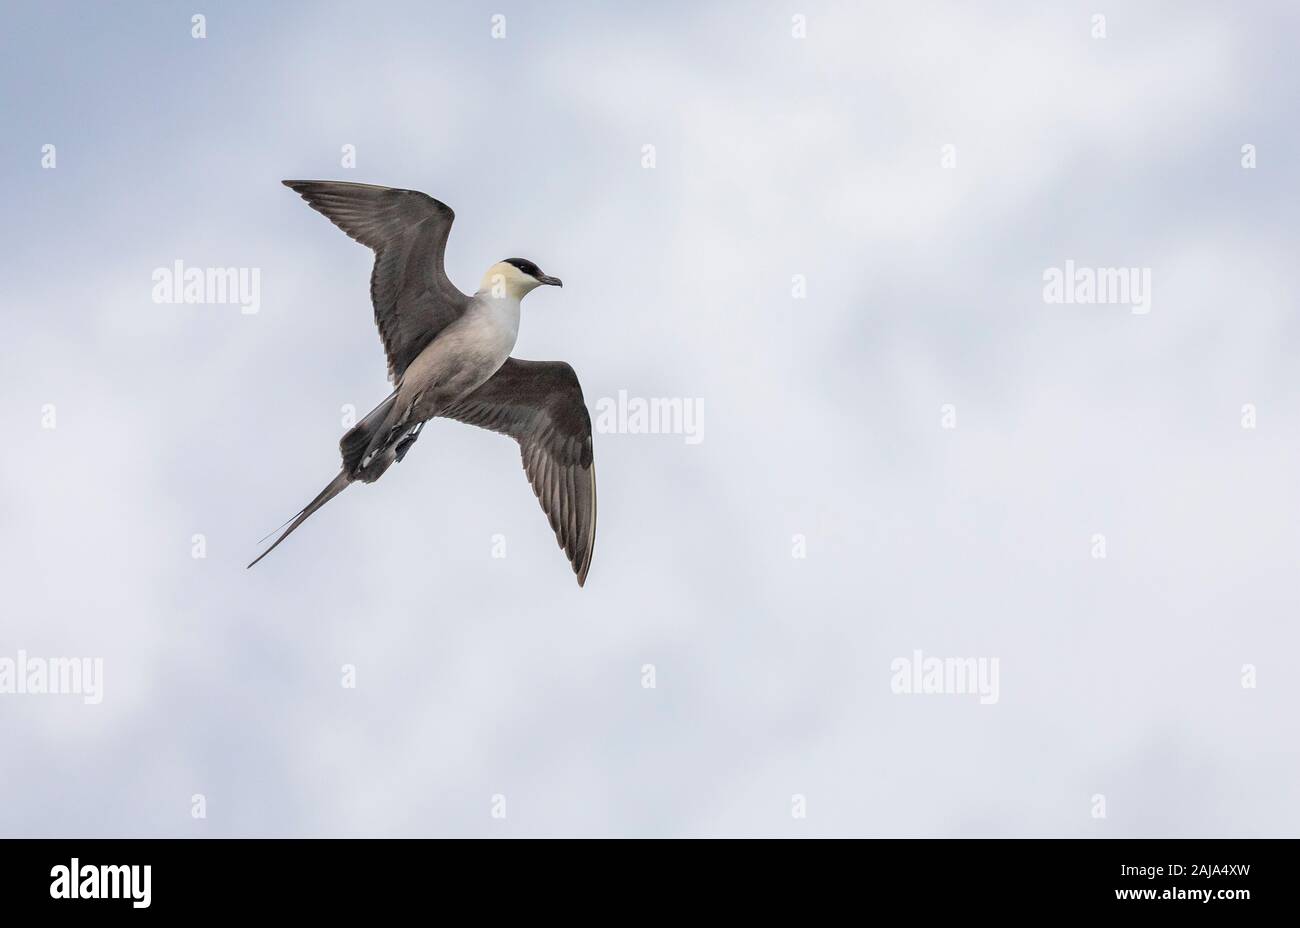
<point x="552" y="281"/>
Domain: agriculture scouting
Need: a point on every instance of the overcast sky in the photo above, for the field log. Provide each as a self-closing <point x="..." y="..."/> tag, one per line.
<point x="905" y="448"/>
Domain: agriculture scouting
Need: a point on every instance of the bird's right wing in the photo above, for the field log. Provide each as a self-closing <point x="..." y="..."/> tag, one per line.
<point x="539" y="404"/>
<point x="413" y="298"/>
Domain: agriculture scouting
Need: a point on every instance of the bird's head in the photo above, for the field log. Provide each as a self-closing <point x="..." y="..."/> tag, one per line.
<point x="514" y="277"/>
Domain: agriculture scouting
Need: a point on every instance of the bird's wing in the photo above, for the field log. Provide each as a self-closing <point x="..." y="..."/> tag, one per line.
<point x="407" y="230"/>
<point x="539" y="404"/>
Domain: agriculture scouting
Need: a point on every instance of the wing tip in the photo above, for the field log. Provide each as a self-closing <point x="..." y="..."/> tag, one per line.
<point x="591" y="532"/>
<point x="581" y="567"/>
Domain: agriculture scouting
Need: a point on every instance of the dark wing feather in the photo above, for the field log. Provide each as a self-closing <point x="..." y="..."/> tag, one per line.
<point x="539" y="404"/>
<point x="407" y="230"/>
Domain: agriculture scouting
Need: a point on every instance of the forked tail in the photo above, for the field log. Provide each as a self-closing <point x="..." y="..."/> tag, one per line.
<point x="335" y="487"/>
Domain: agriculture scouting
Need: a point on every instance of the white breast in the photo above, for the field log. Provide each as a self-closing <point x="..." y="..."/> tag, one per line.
<point x="492" y="326"/>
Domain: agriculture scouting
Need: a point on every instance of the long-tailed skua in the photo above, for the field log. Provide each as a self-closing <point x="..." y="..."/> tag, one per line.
<point x="449" y="356"/>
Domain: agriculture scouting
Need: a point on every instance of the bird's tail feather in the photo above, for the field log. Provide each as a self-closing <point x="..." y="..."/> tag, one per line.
<point x="333" y="489"/>
<point x="358" y="440"/>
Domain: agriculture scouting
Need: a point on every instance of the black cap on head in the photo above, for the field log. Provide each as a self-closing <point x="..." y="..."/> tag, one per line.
<point x="528" y="267"/>
<point x="535" y="272"/>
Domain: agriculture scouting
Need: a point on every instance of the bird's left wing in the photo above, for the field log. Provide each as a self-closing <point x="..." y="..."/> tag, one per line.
<point x="407" y="230"/>
<point x="539" y="404"/>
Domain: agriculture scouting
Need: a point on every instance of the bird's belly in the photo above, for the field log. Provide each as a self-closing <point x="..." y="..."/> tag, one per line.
<point x="460" y="359"/>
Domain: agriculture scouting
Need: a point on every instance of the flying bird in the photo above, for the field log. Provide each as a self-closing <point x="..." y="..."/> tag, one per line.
<point x="449" y="356"/>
